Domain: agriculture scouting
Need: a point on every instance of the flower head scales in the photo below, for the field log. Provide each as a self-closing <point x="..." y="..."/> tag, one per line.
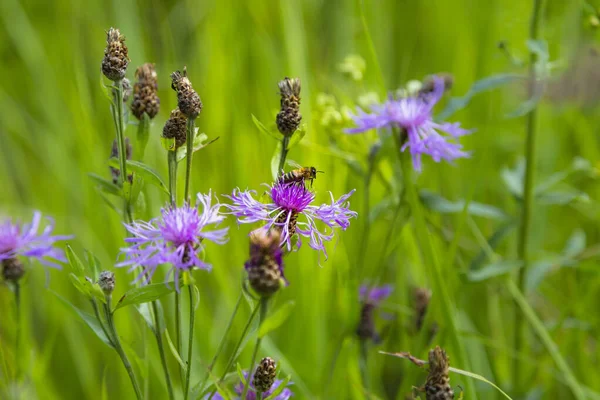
<point x="413" y="114"/>
<point x="291" y="211"/>
<point x="285" y="394"/>
<point x="18" y="239"/>
<point x="175" y="238"/>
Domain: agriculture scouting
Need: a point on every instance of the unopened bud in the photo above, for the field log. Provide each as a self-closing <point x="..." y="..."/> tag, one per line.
<point x="106" y="281"/>
<point x="145" y="92"/>
<point x="265" y="375"/>
<point x="175" y="128"/>
<point x="187" y="99"/>
<point x="116" y="59"/>
<point x="438" y="386"/>
<point x="265" y="265"/>
<point x="289" y="118"/>
<point x="12" y="269"/>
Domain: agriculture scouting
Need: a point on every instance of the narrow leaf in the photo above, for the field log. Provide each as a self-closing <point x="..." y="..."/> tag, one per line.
<point x="493" y="270"/>
<point x="263" y="129"/>
<point x="75" y="262"/>
<point x="144" y="294"/>
<point x="106" y="185"/>
<point x="276" y="319"/>
<point x="149" y="174"/>
<point x="275" y="161"/>
<point x="143" y="134"/>
<point x="282" y="385"/>
<point x="174" y="351"/>
<point x="575" y="244"/>
<point x="438" y="203"/>
<point x="297" y="136"/>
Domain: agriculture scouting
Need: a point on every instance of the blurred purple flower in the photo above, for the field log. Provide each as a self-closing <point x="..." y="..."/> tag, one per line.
<point x="17" y="239"/>
<point x="239" y="390"/>
<point x="413" y="115"/>
<point x="289" y="201"/>
<point x="175" y="238"/>
<point x="374" y="295"/>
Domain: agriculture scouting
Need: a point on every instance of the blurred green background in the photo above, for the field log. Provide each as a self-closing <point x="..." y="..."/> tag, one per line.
<point x="56" y="127"/>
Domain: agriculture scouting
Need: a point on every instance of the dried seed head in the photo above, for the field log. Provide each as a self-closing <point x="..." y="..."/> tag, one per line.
<point x="12" y="269"/>
<point x="106" y="281"/>
<point x="265" y="265"/>
<point x="175" y="128"/>
<point x="438" y="386"/>
<point x="127" y="90"/>
<point x="114" y="64"/>
<point x="265" y="375"/>
<point x="145" y="92"/>
<point x="366" y="326"/>
<point x="288" y="118"/>
<point x="114" y="153"/>
<point x="421" y="297"/>
<point x="187" y="99"/>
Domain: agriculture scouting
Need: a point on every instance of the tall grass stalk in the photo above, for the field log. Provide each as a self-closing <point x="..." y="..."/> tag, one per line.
<point x="264" y="307"/>
<point x="520" y="331"/>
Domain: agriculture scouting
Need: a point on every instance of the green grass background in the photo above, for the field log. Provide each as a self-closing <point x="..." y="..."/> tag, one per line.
<point x="55" y="128"/>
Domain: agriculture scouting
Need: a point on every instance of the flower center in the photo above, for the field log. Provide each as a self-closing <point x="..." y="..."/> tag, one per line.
<point x="291" y="196"/>
<point x="181" y="225"/>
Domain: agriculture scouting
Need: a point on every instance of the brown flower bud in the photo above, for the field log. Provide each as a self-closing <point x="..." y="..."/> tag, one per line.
<point x="289" y="118"/>
<point x="438" y="386"/>
<point x="114" y="64"/>
<point x="187" y="99"/>
<point x="106" y="281"/>
<point x="175" y="128"/>
<point x="127" y="90"/>
<point x="12" y="269"/>
<point x="265" y="375"/>
<point x="265" y="265"/>
<point x="145" y="92"/>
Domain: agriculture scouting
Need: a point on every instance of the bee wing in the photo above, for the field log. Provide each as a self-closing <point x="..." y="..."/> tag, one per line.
<point x="293" y="163"/>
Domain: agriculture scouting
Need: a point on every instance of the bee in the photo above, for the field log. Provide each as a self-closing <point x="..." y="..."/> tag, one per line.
<point x="299" y="175"/>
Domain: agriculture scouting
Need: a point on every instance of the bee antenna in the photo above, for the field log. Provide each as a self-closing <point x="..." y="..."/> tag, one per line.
<point x="321" y="171"/>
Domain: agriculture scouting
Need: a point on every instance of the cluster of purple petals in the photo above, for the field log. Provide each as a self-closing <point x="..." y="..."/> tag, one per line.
<point x="374" y="294"/>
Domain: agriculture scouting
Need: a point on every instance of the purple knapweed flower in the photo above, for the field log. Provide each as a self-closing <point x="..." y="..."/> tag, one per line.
<point x="371" y="297"/>
<point x="413" y="115"/>
<point x="174" y="238"/>
<point x="285" y="394"/>
<point x="17" y="239"/>
<point x="290" y="201"/>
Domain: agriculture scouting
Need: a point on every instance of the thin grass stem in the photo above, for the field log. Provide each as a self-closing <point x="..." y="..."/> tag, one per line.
<point x="264" y="307"/>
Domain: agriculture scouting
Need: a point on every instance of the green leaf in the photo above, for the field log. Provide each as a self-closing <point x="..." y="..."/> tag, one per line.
<point x="275" y="161"/>
<point x="538" y="271"/>
<point x="276" y="319"/>
<point x="174" y="351"/>
<point x="527" y="106"/>
<point x="76" y="281"/>
<point x="493" y="270"/>
<point x="494" y="240"/>
<point x="146" y="312"/>
<point x="144" y="294"/>
<point x="540" y="48"/>
<point x="89" y="319"/>
<point x="562" y="198"/>
<point x="575" y="244"/>
<point x="149" y="174"/>
<point x="230" y="379"/>
<point x="106" y="185"/>
<point x="75" y="262"/>
<point x="280" y="388"/>
<point x="485" y="84"/>
<point x="513" y="178"/>
<point x="106" y="89"/>
<point x="93" y="264"/>
<point x="263" y="129"/>
<point x="438" y="203"/>
<point x="240" y="373"/>
<point x="199" y="143"/>
<point x="143" y="134"/>
<point x="297" y="136"/>
<point x="94" y="290"/>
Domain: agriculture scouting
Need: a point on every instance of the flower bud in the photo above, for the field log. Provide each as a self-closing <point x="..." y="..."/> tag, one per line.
<point x="265" y="375"/>
<point x="145" y="92"/>
<point x="114" y="64"/>
<point x="366" y="326"/>
<point x="175" y="128"/>
<point x="187" y="99"/>
<point x="288" y="118"/>
<point x="127" y="90"/>
<point x="106" y="281"/>
<point x="12" y="269"/>
<point x="265" y="265"/>
<point x="438" y="386"/>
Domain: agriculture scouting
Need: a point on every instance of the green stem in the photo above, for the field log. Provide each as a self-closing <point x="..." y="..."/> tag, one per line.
<point x="364" y="365"/>
<point x="172" y="161"/>
<point x="117" y="109"/>
<point x="161" y="348"/>
<point x="178" y="330"/>
<point x="119" y="348"/>
<point x="284" y="150"/>
<point x="223" y="339"/>
<point x="143" y="134"/>
<point x="101" y="322"/>
<point x="528" y="196"/>
<point x="190" y="342"/>
<point x="237" y="347"/>
<point x="264" y="306"/>
<point x="189" y="157"/>
<point x="18" y="326"/>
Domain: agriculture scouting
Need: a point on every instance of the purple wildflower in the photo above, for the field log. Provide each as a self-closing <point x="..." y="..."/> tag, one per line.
<point x="373" y="294"/>
<point x="18" y="239"/>
<point x="239" y="390"/>
<point x="413" y="115"/>
<point x="175" y="238"/>
<point x="289" y="201"/>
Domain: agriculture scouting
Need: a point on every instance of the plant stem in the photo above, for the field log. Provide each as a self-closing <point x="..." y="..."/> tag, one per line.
<point x="222" y="343"/>
<point x="119" y="348"/>
<point x="102" y="325"/>
<point x="178" y="330"/>
<point x="18" y="327"/>
<point x="117" y="110"/>
<point x="143" y="134"/>
<point x="161" y="348"/>
<point x="284" y="150"/>
<point x="237" y="347"/>
<point x="190" y="342"/>
<point x="364" y="365"/>
<point x="264" y="306"/>
<point x="189" y="157"/>
<point x="172" y="161"/>
<point x="528" y="195"/>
